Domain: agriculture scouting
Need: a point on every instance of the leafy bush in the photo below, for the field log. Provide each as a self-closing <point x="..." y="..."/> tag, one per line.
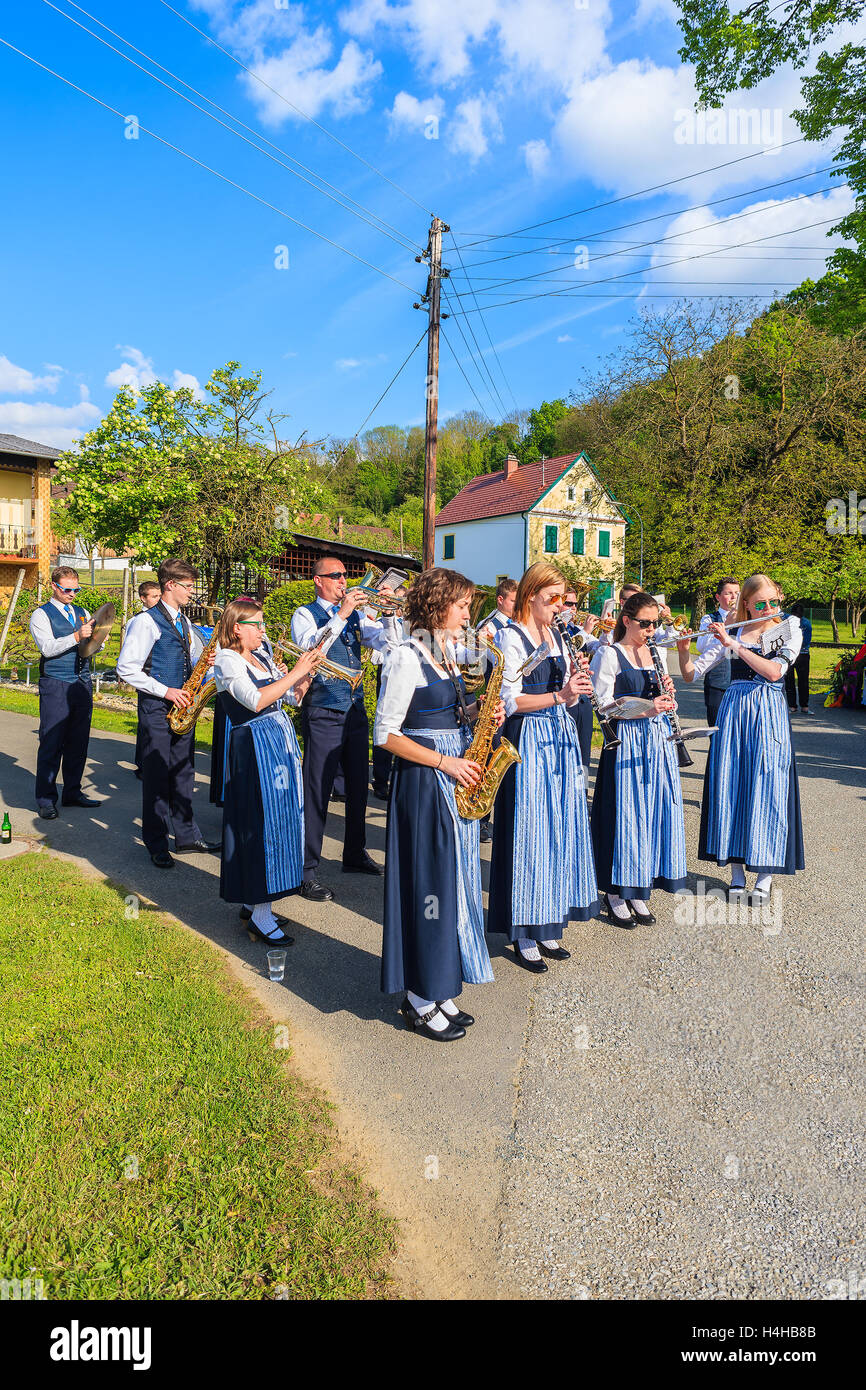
<point x="281" y="604"/>
<point x="91" y="599"/>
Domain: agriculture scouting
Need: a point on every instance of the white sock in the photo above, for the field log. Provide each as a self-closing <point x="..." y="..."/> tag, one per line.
<point x="618" y="907"/>
<point x="264" y="919"/>
<point x="738" y="876"/>
<point x="640" y="907"/>
<point x="551" y="945"/>
<point x="763" y="883"/>
<point x="449" y="1007"/>
<point x="528" y="948"/>
<point x="424" y="1006"/>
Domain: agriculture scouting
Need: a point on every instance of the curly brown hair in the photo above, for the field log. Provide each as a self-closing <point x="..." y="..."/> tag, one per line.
<point x="431" y="596"/>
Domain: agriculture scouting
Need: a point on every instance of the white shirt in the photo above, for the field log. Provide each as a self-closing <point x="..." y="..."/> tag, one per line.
<point x="605" y="668"/>
<point x="715" y="651"/>
<point x="40" y="630"/>
<point x="142" y="634"/>
<point x="515" y="654"/>
<point x="379" y="636"/>
<point x="232" y="673"/>
<point x="404" y="673"/>
<point x="706" y="637"/>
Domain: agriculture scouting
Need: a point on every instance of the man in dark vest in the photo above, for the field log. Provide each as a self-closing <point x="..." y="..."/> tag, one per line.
<point x="718" y="678"/>
<point x="157" y="658"/>
<point x="65" y="694"/>
<point x="334" y="722"/>
<point x="149" y="592"/>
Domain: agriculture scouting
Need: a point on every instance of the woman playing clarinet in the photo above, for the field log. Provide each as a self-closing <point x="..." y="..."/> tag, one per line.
<point x="263" y="820"/>
<point x="637" y="807"/>
<point x="541" y="870"/>
<point x="433" y="936"/>
<point x="750" y="814"/>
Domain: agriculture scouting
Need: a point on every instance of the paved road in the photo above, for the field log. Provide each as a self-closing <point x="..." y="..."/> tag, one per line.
<point x="672" y="1113"/>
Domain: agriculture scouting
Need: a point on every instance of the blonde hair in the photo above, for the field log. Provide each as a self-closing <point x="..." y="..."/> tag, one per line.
<point x="539" y="576"/>
<point x="232" y="614"/>
<point x="749" y="587"/>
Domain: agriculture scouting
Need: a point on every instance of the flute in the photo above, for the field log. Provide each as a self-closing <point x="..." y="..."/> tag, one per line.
<point x="684" y="758"/>
<point x="574" y="650"/>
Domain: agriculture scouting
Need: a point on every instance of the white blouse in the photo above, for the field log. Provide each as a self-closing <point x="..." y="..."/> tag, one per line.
<point x="232" y="673"/>
<point x="605" y="668"/>
<point x="715" y="651"/>
<point x="514" y="651"/>
<point x="402" y="674"/>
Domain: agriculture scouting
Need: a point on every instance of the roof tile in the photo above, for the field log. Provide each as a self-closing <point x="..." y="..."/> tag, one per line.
<point x="492" y="494"/>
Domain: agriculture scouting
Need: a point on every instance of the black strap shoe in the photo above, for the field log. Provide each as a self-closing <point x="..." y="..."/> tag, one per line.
<point x="553" y="953"/>
<point x="420" y="1023"/>
<point x="162" y="859"/>
<point x="278" y="938"/>
<point x="198" y="847"/>
<point x="535" y="967"/>
<point x="627" y="923"/>
<point x="460" y="1018"/>
<point x="246" y="916"/>
<point x="48" y="812"/>
<point x="316" y="892"/>
<point x="80" y="800"/>
<point x="363" y="866"/>
<point x="646" y="917"/>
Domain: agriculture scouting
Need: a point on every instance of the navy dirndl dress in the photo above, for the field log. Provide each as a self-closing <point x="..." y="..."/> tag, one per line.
<point x="263" y="817"/>
<point x="750" y="812"/>
<point x="433" y="936"/>
<point x="541" y="870"/>
<point x="638" y="831"/>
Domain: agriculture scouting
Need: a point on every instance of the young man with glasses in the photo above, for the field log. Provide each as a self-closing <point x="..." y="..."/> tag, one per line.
<point x="334" y="721"/>
<point x="65" y="694"/>
<point x="718" y="678"/>
<point x="157" y="657"/>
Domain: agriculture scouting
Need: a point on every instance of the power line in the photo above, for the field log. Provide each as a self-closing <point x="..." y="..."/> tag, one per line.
<point x="466" y="379"/>
<point x="660" y="216"/>
<point x="201" y="164"/>
<point x="494" y="396"/>
<point x="364" y="214"/>
<point x="624" y="198"/>
<point x="390" y="384"/>
<point x="487" y="331"/>
<point x="305" y="115"/>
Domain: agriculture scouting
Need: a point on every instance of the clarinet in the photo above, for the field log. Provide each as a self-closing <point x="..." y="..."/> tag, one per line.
<point x="608" y="732"/>
<point x="684" y="758"/>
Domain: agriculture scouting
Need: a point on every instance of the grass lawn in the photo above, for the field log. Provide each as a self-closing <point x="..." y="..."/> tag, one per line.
<point x="154" y="1144"/>
<point x="112" y="720"/>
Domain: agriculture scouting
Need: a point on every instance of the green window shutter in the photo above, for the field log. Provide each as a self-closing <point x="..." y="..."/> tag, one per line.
<point x="551" y="540"/>
<point x="447" y="547"/>
<point x="577" y="540"/>
<point x="604" y="544"/>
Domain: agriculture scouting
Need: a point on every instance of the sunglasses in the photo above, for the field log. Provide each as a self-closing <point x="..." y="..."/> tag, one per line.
<point x="69" y="591"/>
<point x="763" y="603"/>
<point x="646" y="622"/>
<point x="251" y="622"/>
<point x="334" y="574"/>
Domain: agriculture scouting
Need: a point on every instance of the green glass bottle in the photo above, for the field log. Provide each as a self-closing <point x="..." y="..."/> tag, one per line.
<point x="6" y="831"/>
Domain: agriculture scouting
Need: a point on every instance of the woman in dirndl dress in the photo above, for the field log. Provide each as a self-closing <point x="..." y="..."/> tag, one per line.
<point x="263" y="817"/>
<point x="433" y="938"/>
<point x="637" y="806"/>
<point x="541" y="871"/>
<point x="750" y="813"/>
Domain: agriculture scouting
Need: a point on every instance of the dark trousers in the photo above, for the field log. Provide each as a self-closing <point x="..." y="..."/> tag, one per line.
<point x="65" y="710"/>
<point x="581" y="713"/>
<point x="713" y="697"/>
<point x="797" y="681"/>
<point x="383" y="761"/>
<point x="139" y="738"/>
<point x="167" y="778"/>
<point x="332" y="737"/>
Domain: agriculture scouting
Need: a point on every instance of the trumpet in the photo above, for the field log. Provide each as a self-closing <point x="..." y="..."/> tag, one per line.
<point x="574" y="645"/>
<point x="286" y="646"/>
<point x="383" y="603"/>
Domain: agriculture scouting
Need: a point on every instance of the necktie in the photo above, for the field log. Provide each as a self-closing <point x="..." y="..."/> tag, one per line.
<point x="67" y="608"/>
<point x="178" y="622"/>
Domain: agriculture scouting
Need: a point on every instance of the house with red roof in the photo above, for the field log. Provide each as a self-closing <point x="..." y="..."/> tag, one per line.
<point x="501" y="523"/>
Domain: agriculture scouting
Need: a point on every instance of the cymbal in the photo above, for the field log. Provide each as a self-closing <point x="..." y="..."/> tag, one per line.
<point x="102" y="621"/>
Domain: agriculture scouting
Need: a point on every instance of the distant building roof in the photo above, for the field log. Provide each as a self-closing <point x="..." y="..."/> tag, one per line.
<point x="514" y="489"/>
<point x="14" y="444"/>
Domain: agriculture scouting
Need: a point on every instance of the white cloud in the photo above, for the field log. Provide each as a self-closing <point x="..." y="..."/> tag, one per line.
<point x="136" y="370"/>
<point x="353" y="364"/>
<point x="476" y="124"/>
<point x="57" y="425"/>
<point x="187" y="379"/>
<point x="14" y="378"/>
<point x="415" y="114"/>
<point x="565" y="338"/>
<point x="537" y="156"/>
<point x="298" y="74"/>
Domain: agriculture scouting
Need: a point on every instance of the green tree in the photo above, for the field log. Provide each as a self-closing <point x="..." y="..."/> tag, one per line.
<point x="165" y="473"/>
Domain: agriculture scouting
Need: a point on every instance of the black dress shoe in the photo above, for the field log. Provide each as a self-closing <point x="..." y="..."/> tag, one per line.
<point x="553" y="953"/>
<point x="627" y="923"/>
<point x="198" y="847"/>
<point x="278" y="939"/>
<point x="337" y="796"/>
<point x="48" y="812"/>
<point x="316" y="892"/>
<point x="485" y="834"/>
<point x="646" y="917"/>
<point x="246" y="916"/>
<point x="363" y="866"/>
<point x="535" y="967"/>
<point x="80" y="800"/>
<point x="464" y="1020"/>
<point x="380" y="793"/>
<point x="162" y="860"/>
<point x="418" y="1024"/>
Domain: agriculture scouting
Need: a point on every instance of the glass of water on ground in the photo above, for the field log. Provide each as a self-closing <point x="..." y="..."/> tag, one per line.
<point x="276" y="964"/>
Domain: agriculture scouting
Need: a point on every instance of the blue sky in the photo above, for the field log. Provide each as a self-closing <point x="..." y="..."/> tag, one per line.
<point x="123" y="261"/>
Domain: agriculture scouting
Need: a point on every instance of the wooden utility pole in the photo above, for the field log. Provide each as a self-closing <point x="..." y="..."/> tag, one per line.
<point x="431" y="436"/>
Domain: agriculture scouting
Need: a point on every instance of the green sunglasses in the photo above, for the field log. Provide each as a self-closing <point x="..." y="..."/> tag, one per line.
<point x="251" y="622"/>
<point x="763" y="603"/>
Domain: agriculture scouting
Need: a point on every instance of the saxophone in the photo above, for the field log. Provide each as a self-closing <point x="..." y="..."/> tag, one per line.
<point x="475" y="803"/>
<point x="180" y="721"/>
